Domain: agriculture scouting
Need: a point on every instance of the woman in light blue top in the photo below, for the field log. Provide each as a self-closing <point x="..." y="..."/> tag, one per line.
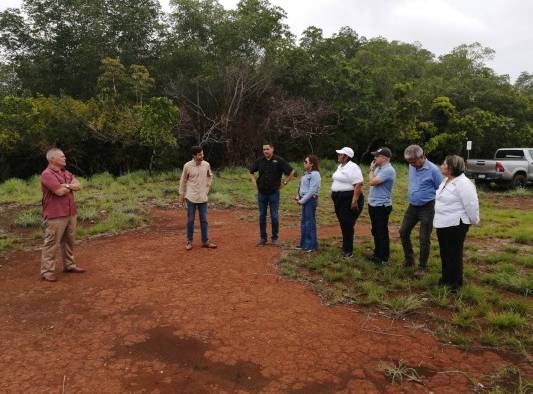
<point x="308" y="198"/>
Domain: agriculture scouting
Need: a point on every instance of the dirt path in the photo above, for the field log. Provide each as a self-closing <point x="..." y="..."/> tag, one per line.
<point x="150" y="317"/>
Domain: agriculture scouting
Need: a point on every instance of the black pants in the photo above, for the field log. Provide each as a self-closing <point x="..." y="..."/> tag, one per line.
<point x="414" y="214"/>
<point x="347" y="216"/>
<point x="379" y="217"/>
<point x="451" y="241"/>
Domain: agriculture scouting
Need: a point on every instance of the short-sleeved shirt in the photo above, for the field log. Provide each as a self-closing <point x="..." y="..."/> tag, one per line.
<point x="346" y="176"/>
<point x="381" y="194"/>
<point x="423" y="183"/>
<point x="270" y="173"/>
<point x="55" y="206"/>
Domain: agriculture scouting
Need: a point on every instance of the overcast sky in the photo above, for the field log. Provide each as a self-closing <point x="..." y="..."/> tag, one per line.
<point x="439" y="25"/>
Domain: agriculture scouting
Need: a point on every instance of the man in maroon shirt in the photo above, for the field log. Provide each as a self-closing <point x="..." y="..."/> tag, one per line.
<point x="59" y="212"/>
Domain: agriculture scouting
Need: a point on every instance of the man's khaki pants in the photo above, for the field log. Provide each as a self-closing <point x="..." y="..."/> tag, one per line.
<point x="59" y="232"/>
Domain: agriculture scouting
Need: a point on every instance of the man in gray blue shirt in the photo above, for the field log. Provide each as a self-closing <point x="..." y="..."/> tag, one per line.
<point x="381" y="178"/>
<point x="424" y="179"/>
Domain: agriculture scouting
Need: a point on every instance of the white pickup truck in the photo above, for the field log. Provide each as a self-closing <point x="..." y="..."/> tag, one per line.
<point x="510" y="166"/>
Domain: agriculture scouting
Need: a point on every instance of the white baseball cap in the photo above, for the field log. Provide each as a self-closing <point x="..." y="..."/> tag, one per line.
<point x="345" y="151"/>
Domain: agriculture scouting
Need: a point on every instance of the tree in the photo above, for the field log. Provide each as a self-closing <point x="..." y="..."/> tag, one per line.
<point x="157" y="118"/>
<point x="524" y="82"/>
<point x="141" y="82"/>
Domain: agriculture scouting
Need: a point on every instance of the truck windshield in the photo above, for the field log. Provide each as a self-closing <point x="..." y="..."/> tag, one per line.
<point x="510" y="154"/>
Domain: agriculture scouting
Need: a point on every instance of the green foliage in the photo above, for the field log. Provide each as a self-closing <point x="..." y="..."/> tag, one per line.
<point x="239" y="76"/>
<point x="157" y="118"/>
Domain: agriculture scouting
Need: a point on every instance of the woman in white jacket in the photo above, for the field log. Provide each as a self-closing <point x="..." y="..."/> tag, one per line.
<point x="456" y="208"/>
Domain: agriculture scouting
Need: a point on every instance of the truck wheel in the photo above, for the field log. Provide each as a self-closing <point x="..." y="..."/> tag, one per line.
<point x="519" y="180"/>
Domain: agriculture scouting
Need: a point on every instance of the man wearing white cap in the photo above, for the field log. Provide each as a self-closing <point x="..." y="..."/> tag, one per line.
<point x="347" y="197"/>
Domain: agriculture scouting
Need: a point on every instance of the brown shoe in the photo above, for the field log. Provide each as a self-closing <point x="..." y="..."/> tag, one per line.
<point x="74" y="270"/>
<point x="188" y="246"/>
<point x="49" y="277"/>
<point x="210" y="245"/>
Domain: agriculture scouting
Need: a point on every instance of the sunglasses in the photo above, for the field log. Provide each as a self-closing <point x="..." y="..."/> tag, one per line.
<point x="306" y="161"/>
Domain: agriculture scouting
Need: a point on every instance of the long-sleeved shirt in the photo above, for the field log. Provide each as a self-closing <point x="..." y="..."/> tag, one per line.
<point x="456" y="201"/>
<point x="195" y="181"/>
<point x="309" y="186"/>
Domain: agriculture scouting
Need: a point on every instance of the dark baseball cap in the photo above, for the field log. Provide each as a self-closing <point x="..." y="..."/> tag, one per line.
<point x="383" y="152"/>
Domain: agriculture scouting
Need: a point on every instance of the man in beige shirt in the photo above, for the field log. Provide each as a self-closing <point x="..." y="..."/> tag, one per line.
<point x="195" y="183"/>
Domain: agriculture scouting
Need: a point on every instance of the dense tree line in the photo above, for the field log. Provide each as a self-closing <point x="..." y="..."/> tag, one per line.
<point x="121" y="85"/>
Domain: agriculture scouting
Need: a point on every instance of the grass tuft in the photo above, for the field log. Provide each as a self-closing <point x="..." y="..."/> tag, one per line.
<point x="506" y="320"/>
<point x="29" y="218"/>
<point x="400" y="307"/>
<point x="399" y="372"/>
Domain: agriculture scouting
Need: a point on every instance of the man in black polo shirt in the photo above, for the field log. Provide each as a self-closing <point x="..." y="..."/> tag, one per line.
<point x="268" y="184"/>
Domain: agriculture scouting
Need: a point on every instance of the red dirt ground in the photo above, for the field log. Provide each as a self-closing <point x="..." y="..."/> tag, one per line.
<point x="149" y="317"/>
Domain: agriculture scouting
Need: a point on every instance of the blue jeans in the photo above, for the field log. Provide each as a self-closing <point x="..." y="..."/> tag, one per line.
<point x="202" y="213"/>
<point x="309" y="240"/>
<point x="265" y="200"/>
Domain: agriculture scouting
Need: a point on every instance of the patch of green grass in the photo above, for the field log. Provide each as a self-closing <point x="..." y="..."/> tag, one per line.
<point x="506" y="320"/>
<point x="102" y="180"/>
<point x="517" y="306"/>
<point x="473" y="294"/>
<point x="21" y="191"/>
<point x="488" y="338"/>
<point x="510" y="380"/>
<point x="223" y="199"/>
<point x="287" y="269"/>
<point x="374" y="292"/>
<point x="114" y="223"/>
<point x="511" y="279"/>
<point x="440" y="296"/>
<point x="29" y="218"/>
<point x="402" y="306"/>
<point x="461" y="340"/>
<point x="6" y="243"/>
<point x="464" y="317"/>
<point x="87" y="213"/>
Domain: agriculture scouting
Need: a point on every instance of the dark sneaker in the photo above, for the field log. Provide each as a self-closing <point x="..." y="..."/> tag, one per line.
<point x="275" y="242"/>
<point x="74" y="270"/>
<point x="347" y="255"/>
<point x="261" y="242"/>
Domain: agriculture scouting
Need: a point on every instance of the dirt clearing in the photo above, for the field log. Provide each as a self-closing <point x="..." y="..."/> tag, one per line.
<point x="150" y="317"/>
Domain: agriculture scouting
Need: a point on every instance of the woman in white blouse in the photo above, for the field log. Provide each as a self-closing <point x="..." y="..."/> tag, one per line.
<point x="456" y="208"/>
<point x="347" y="197"/>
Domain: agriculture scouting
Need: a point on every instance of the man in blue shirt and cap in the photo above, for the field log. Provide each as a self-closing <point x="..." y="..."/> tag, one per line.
<point x="424" y="179"/>
<point x="381" y="178"/>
